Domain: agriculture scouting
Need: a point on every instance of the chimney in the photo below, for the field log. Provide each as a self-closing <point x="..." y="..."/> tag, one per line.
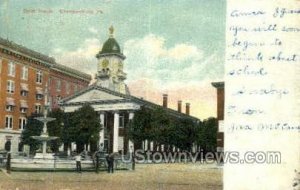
<point x="165" y="100"/>
<point x="179" y="104"/>
<point x="187" y="108"/>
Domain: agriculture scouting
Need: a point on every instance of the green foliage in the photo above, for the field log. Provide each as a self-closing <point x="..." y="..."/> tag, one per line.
<point x="185" y="133"/>
<point x="160" y="127"/>
<point x="55" y="128"/>
<point x="32" y="128"/>
<point x="208" y="134"/>
<point x="83" y="127"/>
<point x="139" y="127"/>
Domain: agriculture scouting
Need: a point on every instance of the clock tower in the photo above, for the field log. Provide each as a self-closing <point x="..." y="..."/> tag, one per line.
<point x="110" y="72"/>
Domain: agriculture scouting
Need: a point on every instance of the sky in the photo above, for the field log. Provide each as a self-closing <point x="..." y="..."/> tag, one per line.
<point x="174" y="47"/>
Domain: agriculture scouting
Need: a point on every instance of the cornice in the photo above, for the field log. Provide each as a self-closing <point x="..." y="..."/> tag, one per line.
<point x="218" y="84"/>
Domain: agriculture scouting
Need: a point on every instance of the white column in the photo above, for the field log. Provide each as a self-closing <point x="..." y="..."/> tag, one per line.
<point x="116" y="132"/>
<point x="61" y="148"/>
<point x="151" y="145"/>
<point x="130" y="143"/>
<point x="194" y="148"/>
<point x="69" y="151"/>
<point x="146" y="145"/>
<point x="73" y="146"/>
<point x="101" y="133"/>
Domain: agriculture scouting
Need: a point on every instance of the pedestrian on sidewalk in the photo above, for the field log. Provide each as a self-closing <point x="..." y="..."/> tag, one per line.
<point x="78" y="162"/>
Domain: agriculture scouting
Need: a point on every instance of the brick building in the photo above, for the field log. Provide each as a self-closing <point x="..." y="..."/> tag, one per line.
<point x="220" y="114"/>
<point x="64" y="82"/>
<point x="24" y="75"/>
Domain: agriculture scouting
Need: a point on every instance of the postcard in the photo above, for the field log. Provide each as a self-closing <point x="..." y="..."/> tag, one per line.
<point x="122" y="94"/>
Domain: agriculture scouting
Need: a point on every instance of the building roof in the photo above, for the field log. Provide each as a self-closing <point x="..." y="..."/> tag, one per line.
<point x="71" y="72"/>
<point x="44" y="59"/>
<point x="218" y="84"/>
<point x="127" y="98"/>
<point x="21" y="49"/>
<point x="110" y="46"/>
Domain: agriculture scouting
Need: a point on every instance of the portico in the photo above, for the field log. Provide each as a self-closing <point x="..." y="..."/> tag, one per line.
<point x="115" y="113"/>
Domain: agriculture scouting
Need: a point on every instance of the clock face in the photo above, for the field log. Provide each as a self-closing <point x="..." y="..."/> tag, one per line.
<point x="104" y="63"/>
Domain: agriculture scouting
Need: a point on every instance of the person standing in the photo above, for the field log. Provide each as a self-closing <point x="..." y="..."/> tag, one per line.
<point x="97" y="162"/>
<point x="110" y="163"/>
<point x="112" y="160"/>
<point x="78" y="163"/>
<point x="8" y="163"/>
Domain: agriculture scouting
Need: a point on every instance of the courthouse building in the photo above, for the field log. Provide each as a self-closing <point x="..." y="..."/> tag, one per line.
<point x="111" y="98"/>
<point x="24" y="76"/>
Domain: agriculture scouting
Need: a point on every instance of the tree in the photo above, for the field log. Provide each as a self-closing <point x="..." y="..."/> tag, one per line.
<point x="160" y="126"/>
<point x="184" y="133"/>
<point x="55" y="128"/>
<point x="139" y="127"/>
<point x="207" y="136"/>
<point x="32" y="128"/>
<point x="84" y="127"/>
<point x="163" y="129"/>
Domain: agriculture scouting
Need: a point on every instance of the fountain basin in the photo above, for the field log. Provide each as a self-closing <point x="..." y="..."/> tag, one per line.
<point x="49" y="164"/>
<point x="44" y="138"/>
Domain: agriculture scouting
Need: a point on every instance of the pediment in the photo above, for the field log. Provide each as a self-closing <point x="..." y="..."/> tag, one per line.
<point x="94" y="95"/>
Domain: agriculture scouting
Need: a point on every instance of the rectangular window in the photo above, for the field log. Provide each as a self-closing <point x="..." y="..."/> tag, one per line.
<point x="24" y="73"/>
<point x="121" y="121"/>
<point x="49" y="82"/>
<point x="23" y="106"/>
<point x="38" y="109"/>
<point x="10" y="86"/>
<point x="67" y="88"/>
<point x="9" y="122"/>
<point x="11" y="69"/>
<point x="24" y="93"/>
<point x="23" y="110"/>
<point x="22" y="123"/>
<point x="39" y="96"/>
<point x="9" y="108"/>
<point x="75" y="88"/>
<point x="39" y="76"/>
<point x="58" y="85"/>
<point x="24" y="89"/>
